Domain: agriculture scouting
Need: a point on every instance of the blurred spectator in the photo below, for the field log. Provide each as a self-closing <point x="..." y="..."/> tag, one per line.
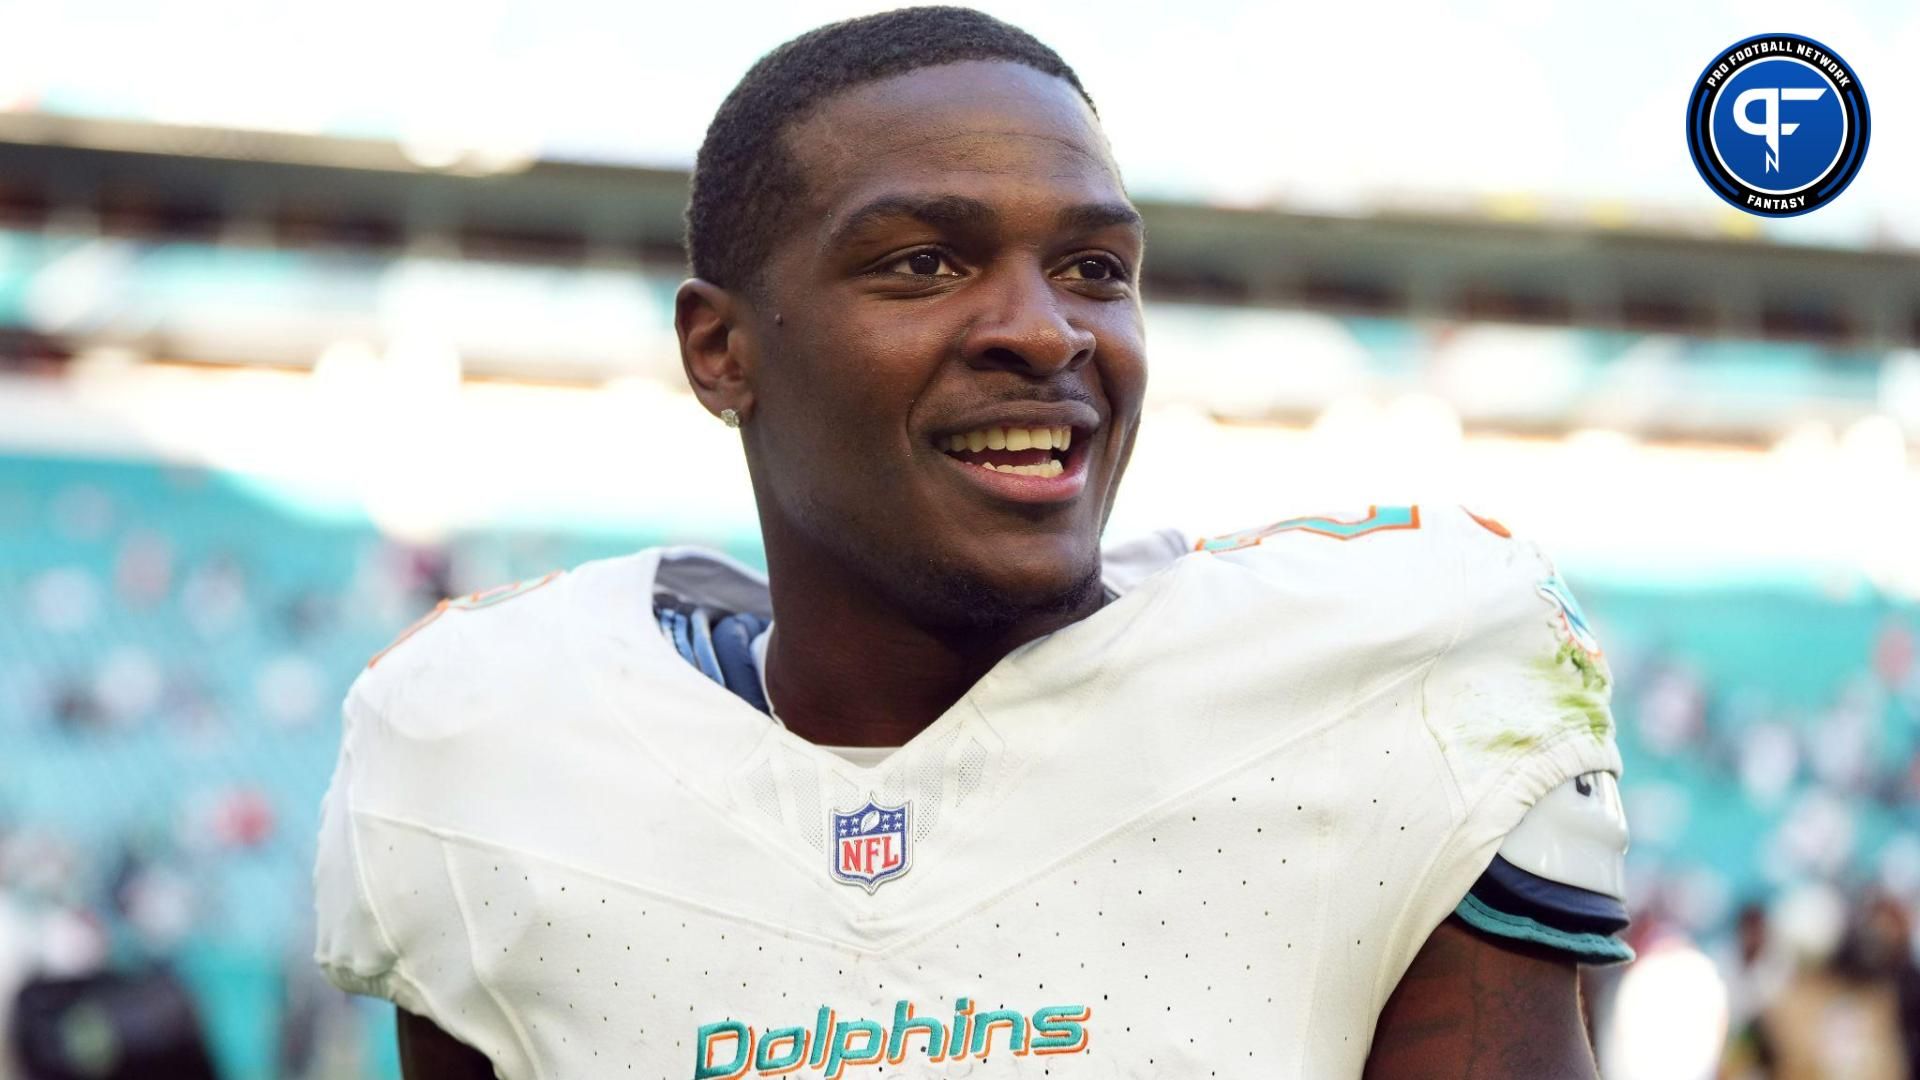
<point x="1769" y="762"/>
<point x="156" y="901"/>
<point x="1671" y="708"/>
<point x="16" y="966"/>
<point x="143" y="570"/>
<point x="290" y="689"/>
<point x="308" y="616"/>
<point x="1755" y="973"/>
<point x="1893" y="655"/>
<point x="1819" y="990"/>
<point x="74" y="706"/>
<point x="65" y="599"/>
<point x="214" y="595"/>
<point x="1841" y="1016"/>
<point x="127" y="685"/>
<point x="1842" y="756"/>
<point x="82" y="513"/>
<point x="109" y="1027"/>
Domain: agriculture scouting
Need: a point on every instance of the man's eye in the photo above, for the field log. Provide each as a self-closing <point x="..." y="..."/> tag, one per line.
<point x="1093" y="268"/>
<point x="922" y="264"/>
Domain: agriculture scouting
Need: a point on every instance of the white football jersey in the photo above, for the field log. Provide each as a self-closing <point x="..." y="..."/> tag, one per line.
<point x="1202" y="832"/>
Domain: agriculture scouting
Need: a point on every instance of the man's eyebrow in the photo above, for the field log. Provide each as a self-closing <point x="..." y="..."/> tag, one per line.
<point x="940" y="211"/>
<point x="1090" y="217"/>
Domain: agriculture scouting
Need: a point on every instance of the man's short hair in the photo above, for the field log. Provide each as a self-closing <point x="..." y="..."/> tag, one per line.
<point x="745" y="181"/>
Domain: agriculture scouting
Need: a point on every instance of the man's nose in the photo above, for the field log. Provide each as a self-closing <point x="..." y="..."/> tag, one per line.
<point x="1024" y="326"/>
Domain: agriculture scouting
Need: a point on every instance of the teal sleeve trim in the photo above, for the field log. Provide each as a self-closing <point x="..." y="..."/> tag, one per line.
<point x="1586" y="948"/>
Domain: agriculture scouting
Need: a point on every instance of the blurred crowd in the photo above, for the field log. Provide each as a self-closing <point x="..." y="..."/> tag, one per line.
<point x="1837" y="994"/>
<point x="170" y="670"/>
<point x="1815" y="985"/>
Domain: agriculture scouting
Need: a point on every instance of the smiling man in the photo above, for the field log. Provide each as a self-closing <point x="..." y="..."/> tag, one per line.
<point x="949" y="791"/>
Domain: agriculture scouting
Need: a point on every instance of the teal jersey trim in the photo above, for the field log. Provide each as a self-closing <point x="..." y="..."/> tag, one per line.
<point x="1587" y="948"/>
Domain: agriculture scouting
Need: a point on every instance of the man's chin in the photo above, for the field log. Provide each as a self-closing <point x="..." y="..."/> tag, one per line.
<point x="1004" y="594"/>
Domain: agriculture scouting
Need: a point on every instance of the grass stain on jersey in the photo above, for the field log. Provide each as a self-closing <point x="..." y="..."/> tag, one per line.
<point x="1590" y="710"/>
<point x="1592" y="675"/>
<point x="1588" y="704"/>
<point x="1581" y="684"/>
<point x="1513" y="741"/>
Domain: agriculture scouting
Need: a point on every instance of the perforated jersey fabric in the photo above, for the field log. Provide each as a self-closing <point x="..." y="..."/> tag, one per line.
<point x="1200" y="833"/>
<point x="1557" y="883"/>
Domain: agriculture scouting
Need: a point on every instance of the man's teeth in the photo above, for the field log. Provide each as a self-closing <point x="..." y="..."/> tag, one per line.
<point x="1050" y="467"/>
<point x="1018" y="438"/>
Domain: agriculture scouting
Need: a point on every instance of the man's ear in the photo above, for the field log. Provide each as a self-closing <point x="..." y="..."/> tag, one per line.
<point x="715" y="348"/>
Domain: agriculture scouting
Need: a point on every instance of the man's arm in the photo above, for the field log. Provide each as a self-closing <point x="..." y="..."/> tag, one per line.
<point x="1470" y="1009"/>
<point x="427" y="1053"/>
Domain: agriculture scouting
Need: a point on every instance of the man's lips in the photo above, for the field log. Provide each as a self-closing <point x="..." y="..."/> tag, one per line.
<point x="1029" y="463"/>
<point x="1022" y="451"/>
<point x="1073" y="413"/>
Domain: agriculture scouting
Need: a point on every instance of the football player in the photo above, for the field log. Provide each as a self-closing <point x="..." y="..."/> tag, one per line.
<point x="947" y="792"/>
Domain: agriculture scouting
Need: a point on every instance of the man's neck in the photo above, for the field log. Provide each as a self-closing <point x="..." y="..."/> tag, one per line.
<point x="847" y="667"/>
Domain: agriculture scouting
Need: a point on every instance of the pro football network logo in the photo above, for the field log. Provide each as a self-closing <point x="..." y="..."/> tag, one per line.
<point x="870" y="844"/>
<point x="1778" y="125"/>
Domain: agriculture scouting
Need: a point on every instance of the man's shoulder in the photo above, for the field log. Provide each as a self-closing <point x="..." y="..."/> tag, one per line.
<point x="1402" y="584"/>
<point x="478" y="641"/>
<point x="1306" y="596"/>
<point x="1410" y="556"/>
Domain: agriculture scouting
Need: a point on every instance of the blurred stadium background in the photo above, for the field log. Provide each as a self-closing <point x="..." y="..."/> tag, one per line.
<point x="310" y="316"/>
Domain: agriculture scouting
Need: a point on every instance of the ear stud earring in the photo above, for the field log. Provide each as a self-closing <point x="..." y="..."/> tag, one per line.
<point x="730" y="418"/>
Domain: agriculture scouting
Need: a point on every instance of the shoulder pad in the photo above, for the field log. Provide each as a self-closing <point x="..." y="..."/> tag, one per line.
<point x="485" y="598"/>
<point x="1575" y="835"/>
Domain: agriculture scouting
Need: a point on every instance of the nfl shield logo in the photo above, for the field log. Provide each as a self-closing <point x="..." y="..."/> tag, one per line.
<point x="869" y="844"/>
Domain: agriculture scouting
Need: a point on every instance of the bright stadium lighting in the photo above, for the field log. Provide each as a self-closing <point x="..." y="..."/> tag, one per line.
<point x="1669" y="1017"/>
<point x="1900" y="389"/>
<point x="1875" y="445"/>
